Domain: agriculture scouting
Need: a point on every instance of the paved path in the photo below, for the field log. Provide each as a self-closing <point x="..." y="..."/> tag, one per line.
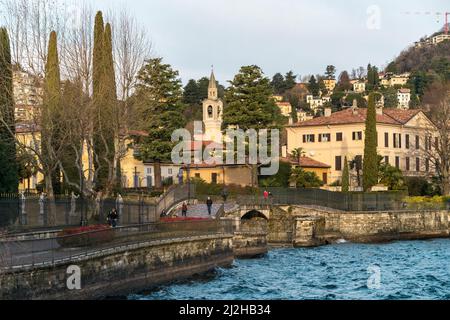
<point x="201" y="210"/>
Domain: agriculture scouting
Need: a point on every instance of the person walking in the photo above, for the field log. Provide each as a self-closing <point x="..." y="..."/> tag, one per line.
<point x="209" y="204"/>
<point x="113" y="217"/>
<point x="266" y="195"/>
<point x="184" y="209"/>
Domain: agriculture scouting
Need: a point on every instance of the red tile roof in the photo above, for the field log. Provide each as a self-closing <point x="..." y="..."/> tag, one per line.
<point x="306" y="162"/>
<point x="347" y="116"/>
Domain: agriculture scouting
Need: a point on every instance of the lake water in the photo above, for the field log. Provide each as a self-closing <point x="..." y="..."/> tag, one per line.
<point x="399" y="270"/>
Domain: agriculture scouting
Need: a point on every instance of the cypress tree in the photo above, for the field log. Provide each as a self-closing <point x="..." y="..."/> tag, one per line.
<point x="8" y="164"/>
<point x="370" y="165"/>
<point x="51" y="114"/>
<point x="345" y="177"/>
<point x="105" y="105"/>
<point x="111" y="121"/>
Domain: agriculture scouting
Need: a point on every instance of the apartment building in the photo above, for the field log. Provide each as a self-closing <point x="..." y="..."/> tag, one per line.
<point x="28" y="93"/>
<point x="404" y="98"/>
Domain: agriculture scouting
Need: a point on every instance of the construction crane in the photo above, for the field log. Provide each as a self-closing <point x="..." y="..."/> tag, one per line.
<point x="438" y="16"/>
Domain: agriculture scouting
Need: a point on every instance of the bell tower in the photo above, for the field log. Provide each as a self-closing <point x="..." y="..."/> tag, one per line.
<point x="212" y="113"/>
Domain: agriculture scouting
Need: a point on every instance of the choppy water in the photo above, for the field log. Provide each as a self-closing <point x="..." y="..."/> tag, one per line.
<point x="408" y="270"/>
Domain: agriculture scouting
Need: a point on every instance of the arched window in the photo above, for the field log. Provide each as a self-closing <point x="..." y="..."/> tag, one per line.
<point x="210" y="111"/>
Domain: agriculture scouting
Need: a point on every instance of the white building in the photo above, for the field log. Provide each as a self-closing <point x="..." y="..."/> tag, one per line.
<point x="404" y="98"/>
<point x="314" y="102"/>
<point x="359" y="87"/>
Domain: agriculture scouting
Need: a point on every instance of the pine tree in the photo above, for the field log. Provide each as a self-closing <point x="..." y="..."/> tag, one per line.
<point x="158" y="102"/>
<point x="8" y="165"/>
<point x="370" y="165"/>
<point x="290" y="80"/>
<point x="191" y="93"/>
<point x="314" y="86"/>
<point x="345" y="177"/>
<point x="249" y="103"/>
<point x="278" y="83"/>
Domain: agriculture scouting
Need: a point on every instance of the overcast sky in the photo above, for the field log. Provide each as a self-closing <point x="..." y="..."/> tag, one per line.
<point x="280" y="35"/>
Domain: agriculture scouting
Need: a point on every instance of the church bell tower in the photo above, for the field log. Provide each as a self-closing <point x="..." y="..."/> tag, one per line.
<point x="213" y="113"/>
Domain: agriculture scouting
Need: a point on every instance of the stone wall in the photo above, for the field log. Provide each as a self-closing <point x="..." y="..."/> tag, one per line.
<point x="128" y="270"/>
<point x="379" y="226"/>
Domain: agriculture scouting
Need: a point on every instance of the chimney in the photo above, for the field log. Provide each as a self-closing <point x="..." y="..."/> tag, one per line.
<point x="327" y="112"/>
<point x="355" y="106"/>
<point x="380" y="110"/>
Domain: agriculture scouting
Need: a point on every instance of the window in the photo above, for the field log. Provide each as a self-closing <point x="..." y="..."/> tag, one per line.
<point x="427" y="165"/>
<point x="397" y="140"/>
<point x="324" y="137"/>
<point x="408" y="164"/>
<point x="338" y="163"/>
<point x="417" y="164"/>
<point x="214" y="178"/>
<point x="325" y="178"/>
<point x="417" y="142"/>
<point x="386" y="140"/>
<point x="197" y="175"/>
<point x="436" y="143"/>
<point x="407" y="141"/>
<point x="339" y="136"/>
<point x="308" y="138"/>
<point x="386" y="159"/>
<point x="149" y="170"/>
<point x="397" y="162"/>
<point x="170" y="171"/>
<point x="428" y="142"/>
<point x="357" y="136"/>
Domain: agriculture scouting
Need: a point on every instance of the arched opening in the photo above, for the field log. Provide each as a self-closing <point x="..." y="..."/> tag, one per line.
<point x="210" y="111"/>
<point x="254" y="214"/>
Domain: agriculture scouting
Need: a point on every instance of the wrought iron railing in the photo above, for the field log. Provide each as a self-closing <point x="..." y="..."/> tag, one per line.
<point x="31" y="253"/>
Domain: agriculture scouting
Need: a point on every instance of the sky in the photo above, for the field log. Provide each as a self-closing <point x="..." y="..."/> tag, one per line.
<point x="280" y="35"/>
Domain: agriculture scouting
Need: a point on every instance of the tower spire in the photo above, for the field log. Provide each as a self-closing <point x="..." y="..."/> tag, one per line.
<point x="212" y="88"/>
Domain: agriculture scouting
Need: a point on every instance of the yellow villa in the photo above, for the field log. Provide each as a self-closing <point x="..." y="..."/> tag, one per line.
<point x="403" y="137"/>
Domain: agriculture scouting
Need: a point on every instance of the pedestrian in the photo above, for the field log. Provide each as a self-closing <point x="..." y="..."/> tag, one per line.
<point x="113" y="217"/>
<point x="209" y="204"/>
<point x="184" y="209"/>
<point x="266" y="195"/>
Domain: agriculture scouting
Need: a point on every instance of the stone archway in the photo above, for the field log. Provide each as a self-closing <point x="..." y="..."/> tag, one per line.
<point x="254" y="214"/>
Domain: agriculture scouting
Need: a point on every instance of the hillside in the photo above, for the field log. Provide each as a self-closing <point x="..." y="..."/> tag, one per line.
<point x="431" y="59"/>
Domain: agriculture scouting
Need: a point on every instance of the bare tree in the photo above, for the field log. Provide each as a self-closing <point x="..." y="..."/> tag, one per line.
<point x="436" y="145"/>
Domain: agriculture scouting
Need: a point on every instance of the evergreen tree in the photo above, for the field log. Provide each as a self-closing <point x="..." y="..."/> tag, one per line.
<point x="51" y="117"/>
<point x="191" y="93"/>
<point x="249" y="103"/>
<point x="314" y="87"/>
<point x="8" y="165"/>
<point x="345" y="177"/>
<point x="278" y="83"/>
<point x="158" y="97"/>
<point x="105" y="107"/>
<point x="110" y="121"/>
<point x="370" y="164"/>
<point x="290" y="80"/>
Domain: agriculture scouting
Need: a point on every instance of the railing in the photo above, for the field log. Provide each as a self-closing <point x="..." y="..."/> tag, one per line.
<point x="32" y="212"/>
<point x="62" y="249"/>
<point x="375" y="201"/>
